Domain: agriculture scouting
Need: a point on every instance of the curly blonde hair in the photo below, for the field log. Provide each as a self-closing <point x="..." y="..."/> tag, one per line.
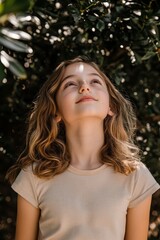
<point x="46" y="141"/>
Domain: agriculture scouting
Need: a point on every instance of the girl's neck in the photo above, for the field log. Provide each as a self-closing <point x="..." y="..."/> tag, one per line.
<point x="84" y="141"/>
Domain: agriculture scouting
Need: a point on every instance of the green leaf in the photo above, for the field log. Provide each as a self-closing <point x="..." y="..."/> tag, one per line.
<point x="14" y="6"/>
<point x="148" y="55"/>
<point x="15" y="34"/>
<point x="15" y="45"/>
<point x="14" y="66"/>
<point x="76" y="18"/>
<point x="74" y="12"/>
<point x="73" y="9"/>
<point x="138" y="58"/>
<point x="92" y="18"/>
<point x="100" y="25"/>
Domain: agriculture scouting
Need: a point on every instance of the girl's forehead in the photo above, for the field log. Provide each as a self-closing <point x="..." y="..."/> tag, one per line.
<point x="79" y="68"/>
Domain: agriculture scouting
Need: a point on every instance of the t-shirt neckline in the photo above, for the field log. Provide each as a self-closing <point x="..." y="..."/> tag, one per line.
<point x="85" y="172"/>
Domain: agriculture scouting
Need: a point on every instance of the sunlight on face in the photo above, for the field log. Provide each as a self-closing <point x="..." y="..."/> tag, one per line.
<point x="81" y="67"/>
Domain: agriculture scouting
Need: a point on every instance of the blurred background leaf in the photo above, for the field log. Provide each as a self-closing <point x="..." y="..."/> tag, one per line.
<point x="14" y="6"/>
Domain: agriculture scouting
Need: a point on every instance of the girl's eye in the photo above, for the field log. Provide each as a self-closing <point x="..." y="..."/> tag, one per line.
<point x="96" y="81"/>
<point x="69" y="84"/>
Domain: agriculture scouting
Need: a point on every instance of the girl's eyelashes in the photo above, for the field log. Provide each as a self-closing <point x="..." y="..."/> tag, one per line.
<point x="73" y="83"/>
<point x="96" y="81"/>
<point x="68" y="84"/>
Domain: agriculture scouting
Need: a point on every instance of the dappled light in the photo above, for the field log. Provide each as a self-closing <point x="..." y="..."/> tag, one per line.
<point x="122" y="37"/>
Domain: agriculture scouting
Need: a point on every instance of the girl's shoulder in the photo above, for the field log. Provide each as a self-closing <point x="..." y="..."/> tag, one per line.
<point x="142" y="184"/>
<point x="141" y="171"/>
<point x="25" y="185"/>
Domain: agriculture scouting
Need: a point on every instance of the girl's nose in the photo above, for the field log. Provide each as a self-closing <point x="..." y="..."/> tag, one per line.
<point x="84" y="88"/>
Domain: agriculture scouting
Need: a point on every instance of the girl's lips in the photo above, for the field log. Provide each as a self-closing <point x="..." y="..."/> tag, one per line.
<point x="86" y="98"/>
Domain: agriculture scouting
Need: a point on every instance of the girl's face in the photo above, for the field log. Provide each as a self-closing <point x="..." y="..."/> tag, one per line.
<point x="82" y="94"/>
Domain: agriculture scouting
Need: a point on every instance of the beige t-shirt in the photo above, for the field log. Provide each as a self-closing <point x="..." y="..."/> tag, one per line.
<point x="85" y="204"/>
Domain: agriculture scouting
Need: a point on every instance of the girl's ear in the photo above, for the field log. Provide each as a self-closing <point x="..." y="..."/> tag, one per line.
<point x="58" y="118"/>
<point x="110" y="113"/>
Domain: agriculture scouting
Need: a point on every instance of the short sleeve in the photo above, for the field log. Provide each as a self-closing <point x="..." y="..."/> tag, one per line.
<point x="144" y="185"/>
<point x="24" y="185"/>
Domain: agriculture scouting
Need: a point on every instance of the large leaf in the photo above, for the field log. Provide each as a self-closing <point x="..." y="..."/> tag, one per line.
<point x="15" y="34"/>
<point x="14" y="66"/>
<point x="14" y="6"/>
<point x="14" y="44"/>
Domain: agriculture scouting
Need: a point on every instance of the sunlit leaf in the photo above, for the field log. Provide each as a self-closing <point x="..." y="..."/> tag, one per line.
<point x="16" y="34"/>
<point x="13" y="65"/>
<point x="15" y="45"/>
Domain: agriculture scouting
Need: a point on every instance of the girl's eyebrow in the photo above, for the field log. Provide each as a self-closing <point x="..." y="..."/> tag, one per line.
<point x="69" y="76"/>
<point x="72" y="75"/>
<point x="95" y="74"/>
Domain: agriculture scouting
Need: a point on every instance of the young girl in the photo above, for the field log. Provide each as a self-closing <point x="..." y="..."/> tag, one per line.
<point x="81" y="177"/>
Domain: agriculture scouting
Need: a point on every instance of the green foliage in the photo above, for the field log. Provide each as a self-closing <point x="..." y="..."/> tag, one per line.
<point x="9" y="38"/>
<point x="121" y="36"/>
<point x="15" y="6"/>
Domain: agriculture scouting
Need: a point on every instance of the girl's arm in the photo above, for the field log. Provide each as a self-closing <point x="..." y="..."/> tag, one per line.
<point x="138" y="221"/>
<point x="27" y="220"/>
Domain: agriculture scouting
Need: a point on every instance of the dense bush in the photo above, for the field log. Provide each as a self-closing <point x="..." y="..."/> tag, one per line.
<point x="121" y="36"/>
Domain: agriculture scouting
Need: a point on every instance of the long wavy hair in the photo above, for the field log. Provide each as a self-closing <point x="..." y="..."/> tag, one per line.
<point x="46" y="147"/>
